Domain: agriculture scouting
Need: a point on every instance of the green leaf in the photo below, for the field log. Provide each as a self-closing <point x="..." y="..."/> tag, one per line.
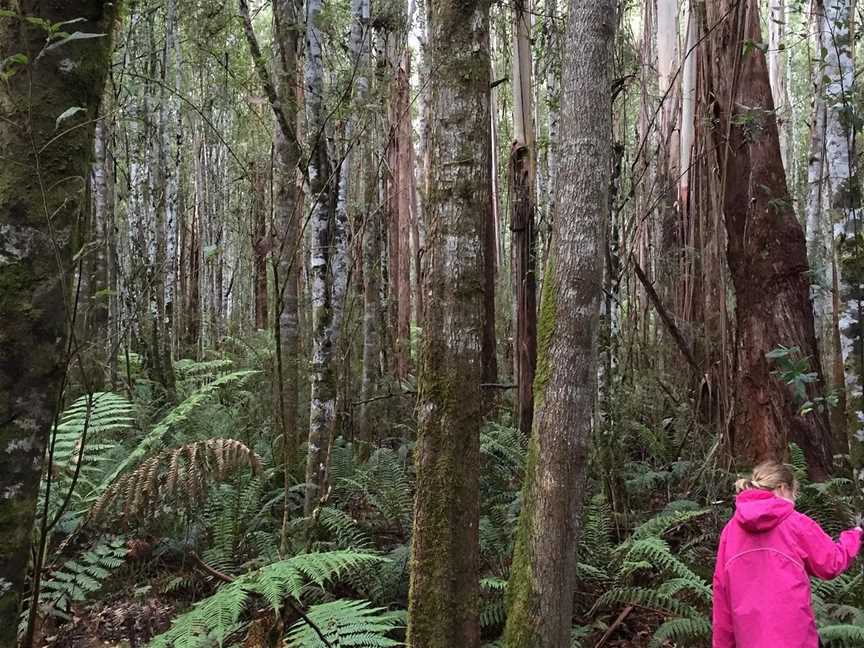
<point x="74" y="36"/>
<point x="66" y="114"/>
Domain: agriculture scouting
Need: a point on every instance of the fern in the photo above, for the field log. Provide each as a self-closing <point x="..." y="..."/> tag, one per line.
<point x="79" y="578"/>
<point x="180" y="475"/>
<point x="346" y="624"/>
<point x="99" y="415"/>
<point x="682" y="631"/>
<point x="219" y="616"/>
<point x="153" y="440"/>
<point x="493" y="610"/>
<point x="649" y="598"/>
<point x="842" y="636"/>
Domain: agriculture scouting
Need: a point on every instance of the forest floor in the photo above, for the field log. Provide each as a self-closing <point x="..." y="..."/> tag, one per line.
<point x="122" y="622"/>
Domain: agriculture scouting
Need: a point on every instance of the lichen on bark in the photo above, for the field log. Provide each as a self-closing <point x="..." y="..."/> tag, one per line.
<point x="41" y="196"/>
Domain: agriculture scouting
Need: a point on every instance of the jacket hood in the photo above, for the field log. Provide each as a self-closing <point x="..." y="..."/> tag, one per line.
<point x="759" y="510"/>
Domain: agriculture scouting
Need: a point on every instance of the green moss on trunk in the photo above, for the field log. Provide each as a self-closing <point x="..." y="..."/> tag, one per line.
<point x="41" y="197"/>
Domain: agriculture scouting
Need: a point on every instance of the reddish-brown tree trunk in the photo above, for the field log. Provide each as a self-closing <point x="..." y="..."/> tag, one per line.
<point x="405" y="182"/>
<point x="522" y="202"/>
<point x="766" y="250"/>
<point x="260" y="246"/>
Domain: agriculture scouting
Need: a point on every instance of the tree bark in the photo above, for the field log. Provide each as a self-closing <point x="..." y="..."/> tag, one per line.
<point x="842" y="206"/>
<point x="522" y="172"/>
<point x="443" y="609"/>
<point x="542" y="581"/>
<point x="40" y="199"/>
<point x="766" y="249"/>
<point x="778" y="77"/>
<point x="322" y="377"/>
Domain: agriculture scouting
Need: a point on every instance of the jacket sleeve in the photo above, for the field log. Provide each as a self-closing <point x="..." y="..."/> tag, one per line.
<point x="823" y="557"/>
<point x="722" y="632"/>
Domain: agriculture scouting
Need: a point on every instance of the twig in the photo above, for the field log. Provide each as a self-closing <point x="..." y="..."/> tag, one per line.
<point x="612" y="628"/>
<point x="498" y="386"/>
<point x="227" y="578"/>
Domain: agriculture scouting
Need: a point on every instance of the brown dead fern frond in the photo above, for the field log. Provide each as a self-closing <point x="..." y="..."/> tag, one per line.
<point x="176" y="478"/>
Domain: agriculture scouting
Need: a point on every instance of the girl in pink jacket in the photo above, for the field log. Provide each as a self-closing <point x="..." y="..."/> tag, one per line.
<point x="767" y="553"/>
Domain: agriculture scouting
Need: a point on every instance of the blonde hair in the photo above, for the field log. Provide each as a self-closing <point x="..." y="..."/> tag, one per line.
<point x="769" y="475"/>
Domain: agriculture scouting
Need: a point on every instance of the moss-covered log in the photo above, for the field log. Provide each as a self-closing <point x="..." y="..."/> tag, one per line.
<point x="540" y="592"/>
<point x="443" y="604"/>
<point x="49" y="96"/>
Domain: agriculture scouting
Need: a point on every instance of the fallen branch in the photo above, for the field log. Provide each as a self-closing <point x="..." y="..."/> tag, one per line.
<point x="654" y="298"/>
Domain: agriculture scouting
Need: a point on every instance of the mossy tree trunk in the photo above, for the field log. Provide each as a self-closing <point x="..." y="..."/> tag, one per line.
<point x="325" y="245"/>
<point x="287" y="255"/>
<point x="766" y="249"/>
<point x="42" y="178"/>
<point x="443" y="604"/>
<point x="540" y="592"/>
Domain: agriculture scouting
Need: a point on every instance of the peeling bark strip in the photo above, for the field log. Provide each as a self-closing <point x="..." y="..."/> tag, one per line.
<point x="540" y="591"/>
<point x="35" y="250"/>
<point x="766" y="248"/>
<point x="443" y="609"/>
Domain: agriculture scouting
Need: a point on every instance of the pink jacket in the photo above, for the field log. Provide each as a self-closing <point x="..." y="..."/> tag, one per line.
<point x="761" y="586"/>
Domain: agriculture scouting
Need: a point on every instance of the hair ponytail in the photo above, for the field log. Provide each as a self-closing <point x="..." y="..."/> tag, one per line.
<point x="769" y="476"/>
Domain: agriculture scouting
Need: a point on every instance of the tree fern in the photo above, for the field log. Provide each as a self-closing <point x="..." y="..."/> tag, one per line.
<point x="179" y="475"/>
<point x="346" y="624"/>
<point x="219" y="616"/>
<point x="154" y="440"/>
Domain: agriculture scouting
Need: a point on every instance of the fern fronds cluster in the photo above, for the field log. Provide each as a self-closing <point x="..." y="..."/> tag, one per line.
<point x="179" y="475"/>
<point x="81" y="577"/>
<point x="84" y="439"/>
<point x="218" y="617"/>
<point x="346" y="623"/>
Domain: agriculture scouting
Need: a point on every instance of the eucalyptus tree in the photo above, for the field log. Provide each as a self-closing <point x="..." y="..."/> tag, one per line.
<point x="542" y="582"/>
<point x="766" y="250"/>
<point x="443" y="608"/>
<point x="51" y="84"/>
<point x="841" y="203"/>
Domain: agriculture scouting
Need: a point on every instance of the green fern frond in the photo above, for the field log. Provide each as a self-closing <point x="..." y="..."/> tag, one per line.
<point x="77" y="579"/>
<point x="217" y="617"/>
<point x="661" y="524"/>
<point x="683" y="632"/>
<point x="650" y="598"/>
<point x="153" y="440"/>
<point x="842" y="636"/>
<point x="346" y="623"/>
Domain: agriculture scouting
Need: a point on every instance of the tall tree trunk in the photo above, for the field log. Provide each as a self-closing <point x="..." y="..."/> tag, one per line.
<point x="522" y="173"/>
<point x="819" y="234"/>
<point x="406" y="183"/>
<point x="40" y="200"/>
<point x="766" y="249"/>
<point x="841" y="202"/>
<point x="542" y="581"/>
<point x="287" y="256"/>
<point x="443" y="609"/>
<point x="688" y="104"/>
<point x="371" y="240"/>
<point x="322" y="379"/>
<point x="260" y="243"/>
<point x="170" y="147"/>
<point x="778" y="77"/>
